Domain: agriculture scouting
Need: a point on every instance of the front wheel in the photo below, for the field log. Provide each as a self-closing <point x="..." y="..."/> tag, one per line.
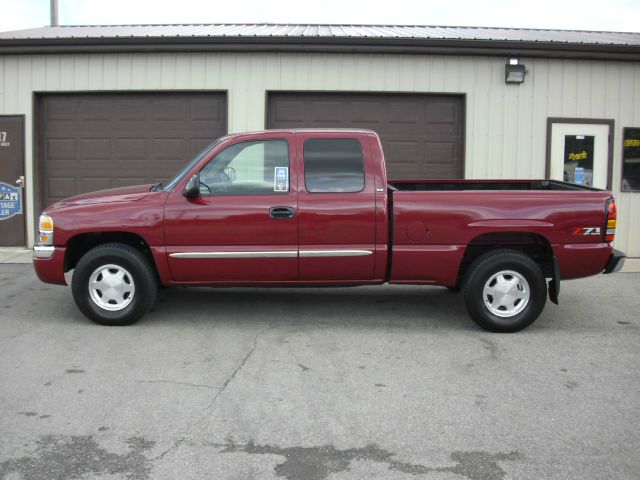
<point x="504" y="291"/>
<point x="114" y="284"/>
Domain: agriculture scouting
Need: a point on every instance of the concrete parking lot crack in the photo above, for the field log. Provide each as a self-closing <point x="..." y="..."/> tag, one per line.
<point x="317" y="463"/>
<point x="186" y="384"/>
<point x="221" y="390"/>
<point x="240" y="366"/>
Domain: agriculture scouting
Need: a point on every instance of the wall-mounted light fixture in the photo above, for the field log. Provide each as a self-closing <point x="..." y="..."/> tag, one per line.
<point x="514" y="72"/>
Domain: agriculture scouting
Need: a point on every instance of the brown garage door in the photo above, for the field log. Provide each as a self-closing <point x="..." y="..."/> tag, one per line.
<point x="95" y="141"/>
<point x="422" y="135"/>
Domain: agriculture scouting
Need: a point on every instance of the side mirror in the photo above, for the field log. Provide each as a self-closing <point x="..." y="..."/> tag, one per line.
<point x="192" y="188"/>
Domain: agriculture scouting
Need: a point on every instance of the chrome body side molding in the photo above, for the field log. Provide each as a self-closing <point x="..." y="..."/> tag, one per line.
<point x="274" y="254"/>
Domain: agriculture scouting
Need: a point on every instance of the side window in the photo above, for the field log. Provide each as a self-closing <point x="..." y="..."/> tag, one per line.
<point x="333" y="165"/>
<point x="248" y="168"/>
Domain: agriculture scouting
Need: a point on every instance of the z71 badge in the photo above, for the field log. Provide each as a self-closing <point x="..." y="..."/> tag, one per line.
<point x="586" y="231"/>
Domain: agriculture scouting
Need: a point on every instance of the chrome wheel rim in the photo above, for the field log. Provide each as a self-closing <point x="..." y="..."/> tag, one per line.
<point x="111" y="287"/>
<point x="506" y="293"/>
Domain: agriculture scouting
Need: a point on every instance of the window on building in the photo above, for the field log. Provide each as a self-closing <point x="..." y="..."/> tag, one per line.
<point x="578" y="159"/>
<point x="333" y="165"/>
<point x="248" y="168"/>
<point x="631" y="160"/>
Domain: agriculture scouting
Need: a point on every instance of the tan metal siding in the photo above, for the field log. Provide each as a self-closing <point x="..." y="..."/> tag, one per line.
<point x="505" y="124"/>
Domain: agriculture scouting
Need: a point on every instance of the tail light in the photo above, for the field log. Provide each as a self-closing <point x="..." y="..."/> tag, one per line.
<point x="611" y="218"/>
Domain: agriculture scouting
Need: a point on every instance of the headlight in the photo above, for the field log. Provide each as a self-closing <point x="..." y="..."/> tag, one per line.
<point x="45" y="228"/>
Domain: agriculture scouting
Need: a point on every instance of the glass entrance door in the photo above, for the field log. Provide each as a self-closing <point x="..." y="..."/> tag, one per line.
<point x="580" y="153"/>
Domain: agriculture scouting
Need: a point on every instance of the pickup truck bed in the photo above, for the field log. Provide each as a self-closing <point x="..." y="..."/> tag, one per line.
<point x="483" y="215"/>
<point x="314" y="207"/>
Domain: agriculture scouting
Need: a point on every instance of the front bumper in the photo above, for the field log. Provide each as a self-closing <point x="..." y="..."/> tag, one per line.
<point x="48" y="263"/>
<point x="616" y="262"/>
<point x="43" y="252"/>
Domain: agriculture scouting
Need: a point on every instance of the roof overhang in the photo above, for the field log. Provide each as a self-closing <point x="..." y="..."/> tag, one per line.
<point x="422" y="46"/>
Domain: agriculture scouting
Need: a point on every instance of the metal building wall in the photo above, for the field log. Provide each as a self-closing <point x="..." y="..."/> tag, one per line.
<point x="505" y="124"/>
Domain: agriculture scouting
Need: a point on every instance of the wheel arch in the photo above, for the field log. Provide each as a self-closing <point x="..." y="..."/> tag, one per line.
<point x="534" y="245"/>
<point x="80" y="244"/>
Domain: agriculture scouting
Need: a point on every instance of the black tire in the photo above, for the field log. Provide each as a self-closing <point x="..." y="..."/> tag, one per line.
<point x="502" y="271"/>
<point x="137" y="276"/>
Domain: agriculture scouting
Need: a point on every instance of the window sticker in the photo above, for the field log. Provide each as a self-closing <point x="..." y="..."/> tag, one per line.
<point x="281" y="179"/>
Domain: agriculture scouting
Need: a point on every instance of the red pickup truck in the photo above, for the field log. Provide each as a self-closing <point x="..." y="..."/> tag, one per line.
<point x="314" y="207"/>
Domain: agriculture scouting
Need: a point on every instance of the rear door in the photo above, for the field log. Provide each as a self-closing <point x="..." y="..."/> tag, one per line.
<point x="243" y="228"/>
<point x="336" y="208"/>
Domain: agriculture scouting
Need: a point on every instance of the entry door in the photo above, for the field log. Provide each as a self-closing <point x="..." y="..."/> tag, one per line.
<point x="12" y="223"/>
<point x="580" y="153"/>
<point x="243" y="228"/>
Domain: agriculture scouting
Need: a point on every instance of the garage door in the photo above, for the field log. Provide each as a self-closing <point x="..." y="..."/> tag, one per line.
<point x="93" y="141"/>
<point x="422" y="135"/>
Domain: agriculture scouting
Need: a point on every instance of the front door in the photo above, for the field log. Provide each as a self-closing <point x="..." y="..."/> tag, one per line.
<point x="580" y="153"/>
<point x="12" y="224"/>
<point x="243" y="228"/>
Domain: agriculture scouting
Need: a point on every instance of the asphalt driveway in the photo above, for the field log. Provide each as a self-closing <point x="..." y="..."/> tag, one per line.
<point x="382" y="382"/>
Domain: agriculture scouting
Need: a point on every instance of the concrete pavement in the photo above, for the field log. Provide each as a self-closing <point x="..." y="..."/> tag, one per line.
<point x="382" y="382"/>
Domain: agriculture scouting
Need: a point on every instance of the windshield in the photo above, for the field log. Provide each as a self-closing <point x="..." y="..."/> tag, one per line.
<point x="185" y="170"/>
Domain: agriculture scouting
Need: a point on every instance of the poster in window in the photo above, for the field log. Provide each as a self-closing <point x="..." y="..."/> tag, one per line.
<point x="281" y="179"/>
<point x="631" y="159"/>
<point x="578" y="159"/>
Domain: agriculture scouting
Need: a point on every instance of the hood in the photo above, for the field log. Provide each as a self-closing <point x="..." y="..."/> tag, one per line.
<point x="113" y="195"/>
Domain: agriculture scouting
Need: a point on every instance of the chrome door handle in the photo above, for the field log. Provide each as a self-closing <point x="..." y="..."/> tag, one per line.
<point x="20" y="181"/>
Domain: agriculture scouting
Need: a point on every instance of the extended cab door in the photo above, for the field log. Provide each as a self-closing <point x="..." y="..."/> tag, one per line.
<point x="336" y="207"/>
<point x="243" y="228"/>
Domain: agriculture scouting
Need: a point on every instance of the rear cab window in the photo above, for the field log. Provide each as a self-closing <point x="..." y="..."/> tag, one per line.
<point x="333" y="165"/>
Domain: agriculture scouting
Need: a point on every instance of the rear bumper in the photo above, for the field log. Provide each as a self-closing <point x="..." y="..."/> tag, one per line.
<point x="616" y="262"/>
<point x="48" y="263"/>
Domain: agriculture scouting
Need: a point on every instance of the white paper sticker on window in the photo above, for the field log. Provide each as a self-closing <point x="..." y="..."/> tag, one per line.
<point x="281" y="179"/>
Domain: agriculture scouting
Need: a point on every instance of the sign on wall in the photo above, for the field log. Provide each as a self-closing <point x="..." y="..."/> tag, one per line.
<point x="10" y="201"/>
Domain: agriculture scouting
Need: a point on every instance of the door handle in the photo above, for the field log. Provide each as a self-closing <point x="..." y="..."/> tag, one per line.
<point x="20" y="181"/>
<point x="281" y="212"/>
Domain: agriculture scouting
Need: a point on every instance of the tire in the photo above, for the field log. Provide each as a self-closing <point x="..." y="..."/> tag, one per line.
<point x="114" y="284"/>
<point x="504" y="291"/>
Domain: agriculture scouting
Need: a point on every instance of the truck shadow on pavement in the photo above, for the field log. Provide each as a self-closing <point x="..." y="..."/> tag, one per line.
<point x="388" y="306"/>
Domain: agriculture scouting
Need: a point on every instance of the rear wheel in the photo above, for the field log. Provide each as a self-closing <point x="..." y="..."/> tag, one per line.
<point x="504" y="291"/>
<point x="114" y="284"/>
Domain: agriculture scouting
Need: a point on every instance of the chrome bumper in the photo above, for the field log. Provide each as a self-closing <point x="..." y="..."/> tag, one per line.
<point x="43" y="252"/>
